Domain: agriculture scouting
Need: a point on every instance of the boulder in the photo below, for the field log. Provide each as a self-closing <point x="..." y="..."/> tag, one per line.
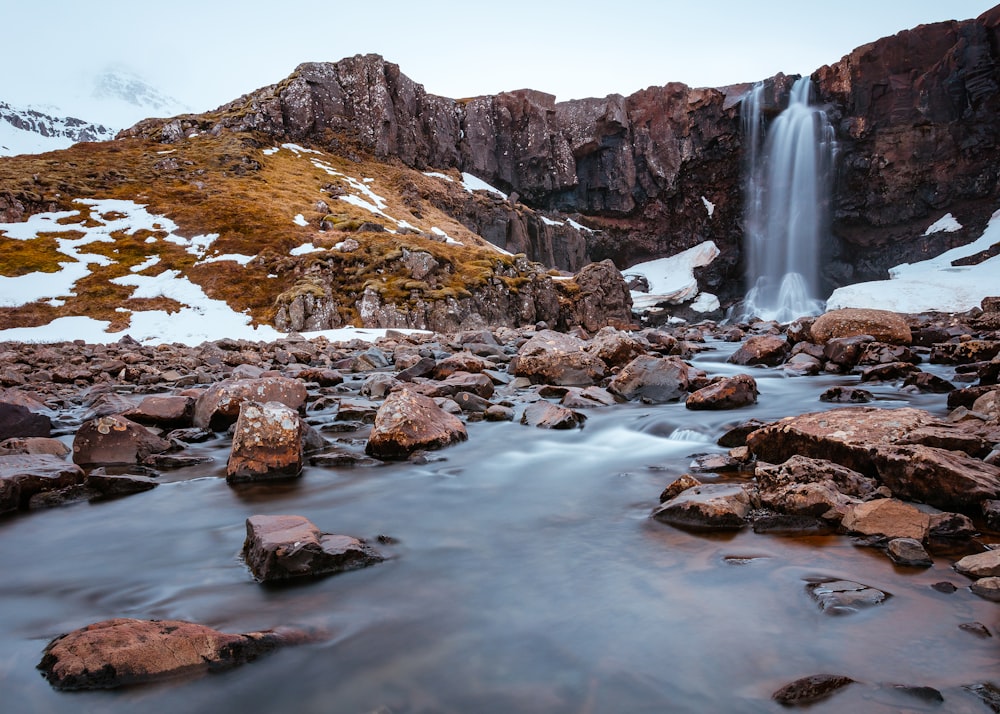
<point x="107" y="486"/>
<point x="614" y="347"/>
<point x="34" y="445"/>
<point x="706" y="507"/>
<point x="546" y="415"/>
<point x="846" y="351"/>
<point x="284" y="547"/>
<point x="882" y="325"/>
<point x="23" y="476"/>
<point x="654" y="380"/>
<point x="461" y="362"/>
<point x="577" y="398"/>
<point x="556" y="358"/>
<point x="678" y="486"/>
<point x="479" y="384"/>
<point x="846" y="395"/>
<point x="219" y="406"/>
<point x="887" y="518"/>
<point x="769" y="350"/>
<point x="980" y="565"/>
<point x="122" y="652"/>
<point x="115" y="440"/>
<point x="987" y="588"/>
<point x="945" y="479"/>
<point x="726" y="393"/>
<point x="267" y="443"/>
<point x="908" y="552"/>
<point x="408" y="421"/>
<point x="18" y="420"/>
<point x="165" y="411"/>
<point x="811" y="487"/>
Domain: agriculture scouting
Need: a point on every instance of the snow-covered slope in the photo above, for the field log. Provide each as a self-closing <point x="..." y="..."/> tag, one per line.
<point x="29" y="131"/>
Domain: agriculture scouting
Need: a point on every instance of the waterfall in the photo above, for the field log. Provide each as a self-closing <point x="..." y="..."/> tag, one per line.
<point x="787" y="204"/>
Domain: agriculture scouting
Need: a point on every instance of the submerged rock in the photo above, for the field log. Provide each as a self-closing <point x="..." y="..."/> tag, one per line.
<point x="842" y="597"/>
<point x="810" y="689"/>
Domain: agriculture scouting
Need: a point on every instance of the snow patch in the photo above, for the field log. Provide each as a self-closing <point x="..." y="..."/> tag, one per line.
<point x="471" y="183"/>
<point x="304" y="249"/>
<point x="549" y="222"/>
<point x="579" y="226"/>
<point x="272" y="151"/>
<point x="234" y="257"/>
<point x="671" y="280"/>
<point x="709" y="206"/>
<point x="946" y="224"/>
<point x="300" y="220"/>
<point x="438" y="174"/>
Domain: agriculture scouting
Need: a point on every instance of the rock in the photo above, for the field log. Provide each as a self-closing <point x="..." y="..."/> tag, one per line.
<point x="802" y="364"/>
<point x="498" y="412"/>
<point x="706" y="507"/>
<point x="114" y="485"/>
<point x="811" y="487"/>
<point x="942" y="478"/>
<point x="461" y="362"/>
<point x="267" y="443"/>
<point x="17" y="420"/>
<point x="407" y="422"/>
<point x="614" y="347"/>
<point x="546" y="415"/>
<point x="928" y="383"/>
<point x="951" y="525"/>
<point x="887" y="518"/>
<point x="653" y="380"/>
<point x="377" y="385"/>
<point x="846" y="395"/>
<point x="980" y="565"/>
<point x="769" y="350"/>
<point x="479" y="384"/>
<point x="726" y="393"/>
<point x="576" y="398"/>
<point x="810" y="689"/>
<point x="888" y="372"/>
<point x="678" y="486"/>
<point x="976" y="628"/>
<point x="23" y="476"/>
<point x="966" y="352"/>
<point x="987" y="588"/>
<point x="122" y="652"/>
<point x="115" y="440"/>
<point x="843" y="597"/>
<point x="169" y="411"/>
<point x="846" y="351"/>
<point x="34" y="445"/>
<point x="219" y="406"/>
<point x="737" y="435"/>
<point x="556" y="358"/>
<point x="283" y="547"/>
<point x="882" y="325"/>
<point x="908" y="552"/>
<point x="470" y="402"/>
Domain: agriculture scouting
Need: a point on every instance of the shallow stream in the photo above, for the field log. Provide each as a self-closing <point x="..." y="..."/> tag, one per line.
<point x="527" y="577"/>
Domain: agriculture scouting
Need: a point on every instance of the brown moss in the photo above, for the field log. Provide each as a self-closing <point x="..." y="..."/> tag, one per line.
<point x="20" y="257"/>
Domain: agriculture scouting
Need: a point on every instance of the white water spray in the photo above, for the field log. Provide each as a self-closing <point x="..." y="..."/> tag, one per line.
<point x="787" y="204"/>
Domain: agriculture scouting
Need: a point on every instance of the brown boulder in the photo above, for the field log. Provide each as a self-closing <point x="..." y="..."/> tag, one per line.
<point x="267" y="443"/>
<point x="546" y="415"/>
<point x="614" y="347"/>
<point x="556" y="358"/>
<point x="980" y="565"/>
<point x="769" y="350"/>
<point x="18" y="420"/>
<point x="887" y="518"/>
<point x="727" y="393"/>
<point x="283" y="547"/>
<point x="706" y="507"/>
<point x="168" y="411"/>
<point x="461" y="362"/>
<point x="944" y="479"/>
<point x="115" y="440"/>
<point x="883" y="325"/>
<point x="121" y="652"/>
<point x="810" y="689"/>
<point x="23" y="476"/>
<point x="408" y="421"/>
<point x="219" y="405"/>
<point x="654" y="380"/>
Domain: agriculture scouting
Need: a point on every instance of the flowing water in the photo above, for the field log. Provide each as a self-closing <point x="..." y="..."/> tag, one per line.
<point x="527" y="577"/>
<point x="789" y="172"/>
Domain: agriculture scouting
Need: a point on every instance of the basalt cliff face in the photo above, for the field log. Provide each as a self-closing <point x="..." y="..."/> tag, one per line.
<point x="654" y="173"/>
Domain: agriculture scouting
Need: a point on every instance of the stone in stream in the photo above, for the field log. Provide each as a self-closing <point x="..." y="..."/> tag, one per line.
<point x="887" y="518"/>
<point x="25" y="475"/>
<point x="123" y="651"/>
<point x="940" y="477"/>
<point x="34" y="445"/>
<point x="556" y="358"/>
<point x="219" y="405"/>
<point x="706" y="507"/>
<point x="546" y="415"/>
<point x="813" y="688"/>
<point x="846" y="395"/>
<point x="17" y="420"/>
<point x="408" y="422"/>
<point x="908" y="552"/>
<point x="987" y="588"/>
<point x="165" y="411"/>
<point x="843" y="597"/>
<point x="883" y="325"/>
<point x="980" y="565"/>
<point x="284" y="547"/>
<point x="769" y="350"/>
<point x="115" y="440"/>
<point x="653" y="380"/>
<point x="267" y="443"/>
<point x="726" y="393"/>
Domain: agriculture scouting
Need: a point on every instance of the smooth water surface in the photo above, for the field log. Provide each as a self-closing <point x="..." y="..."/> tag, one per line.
<point x="527" y="577"/>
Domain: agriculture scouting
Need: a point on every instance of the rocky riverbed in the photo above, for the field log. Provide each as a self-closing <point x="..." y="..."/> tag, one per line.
<point x="855" y="454"/>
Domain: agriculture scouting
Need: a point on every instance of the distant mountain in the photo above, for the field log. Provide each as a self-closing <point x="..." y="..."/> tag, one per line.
<point x="29" y="131"/>
<point x="110" y="101"/>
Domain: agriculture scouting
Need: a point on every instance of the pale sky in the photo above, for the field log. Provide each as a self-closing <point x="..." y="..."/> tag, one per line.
<point x="208" y="52"/>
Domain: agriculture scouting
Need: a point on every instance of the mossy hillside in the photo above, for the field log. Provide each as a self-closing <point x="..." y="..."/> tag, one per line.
<point x="227" y="185"/>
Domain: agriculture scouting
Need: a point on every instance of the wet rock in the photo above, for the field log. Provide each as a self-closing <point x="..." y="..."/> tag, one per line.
<point x="122" y="652"/>
<point x="18" y="420"/>
<point x="945" y="479"/>
<point x="811" y="487"/>
<point x="810" y="689"/>
<point x="726" y="393"/>
<point x="785" y="525"/>
<point x="168" y="412"/>
<point x="928" y="383"/>
<point x="284" y="547"/>
<point x="423" y="367"/>
<point x="499" y="412"/>
<point x="887" y="518"/>
<point x="461" y="362"/>
<point x="802" y="365"/>
<point x="219" y="406"/>
<point x="846" y="395"/>
<point x="888" y="372"/>
<point x="115" y="440"/>
<point x="706" y="507"/>
<point x="846" y="351"/>
<point x="576" y="398"/>
<point x="653" y="380"/>
<point x="843" y="597"/>
<point x="546" y="415"/>
<point x="556" y="358"/>
<point x="883" y="325"/>
<point x="988" y="693"/>
<point x="951" y="525"/>
<point x="34" y="445"/>
<point x="987" y="588"/>
<point x="107" y="485"/>
<point x="267" y="443"/>
<point x="966" y="352"/>
<point x="407" y="422"/>
<point x="23" y="476"/>
<point x="473" y="403"/>
<point x="976" y="628"/>
<point x="678" y="486"/>
<point x="991" y="511"/>
<point x="614" y="347"/>
<point x="737" y="435"/>
<point x="322" y="376"/>
<point x="479" y="384"/>
<point x="378" y="385"/>
<point x="980" y="565"/>
<point x="908" y="552"/>
<point x="769" y="350"/>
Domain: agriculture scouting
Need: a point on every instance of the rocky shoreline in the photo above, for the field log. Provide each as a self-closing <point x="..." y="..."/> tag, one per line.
<point x="85" y="422"/>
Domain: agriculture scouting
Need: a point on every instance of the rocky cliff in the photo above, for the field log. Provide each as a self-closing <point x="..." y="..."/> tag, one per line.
<point x="660" y="171"/>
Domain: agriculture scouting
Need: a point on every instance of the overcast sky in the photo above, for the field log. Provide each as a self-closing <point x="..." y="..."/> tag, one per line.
<point x="207" y="52"/>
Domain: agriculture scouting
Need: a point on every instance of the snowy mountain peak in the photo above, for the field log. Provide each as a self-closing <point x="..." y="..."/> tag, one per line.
<point x="29" y="131"/>
<point x="121" y="85"/>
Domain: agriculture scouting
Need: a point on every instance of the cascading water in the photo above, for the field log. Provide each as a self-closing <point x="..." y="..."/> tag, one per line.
<point x="787" y="204"/>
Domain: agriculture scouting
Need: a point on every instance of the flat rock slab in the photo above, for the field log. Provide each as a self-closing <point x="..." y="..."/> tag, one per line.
<point x="285" y="547"/>
<point x="24" y="475"/>
<point x="121" y="652"/>
<point x="980" y="565"/>
<point x="843" y="597"/>
<point x="887" y="518"/>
